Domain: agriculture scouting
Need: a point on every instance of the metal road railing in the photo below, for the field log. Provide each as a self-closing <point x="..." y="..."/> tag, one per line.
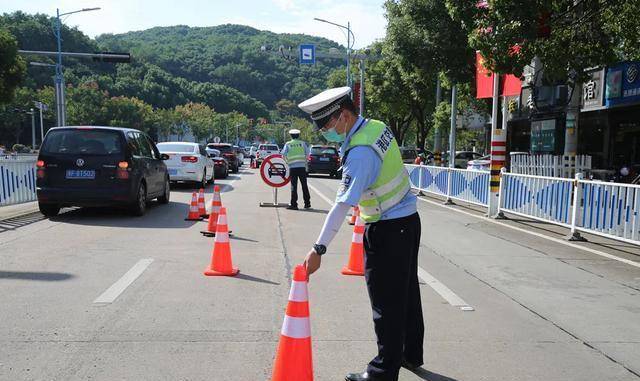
<point x="543" y="198"/>
<point x="17" y="179"/>
<point x="459" y="184"/>
<point x="608" y="209"/>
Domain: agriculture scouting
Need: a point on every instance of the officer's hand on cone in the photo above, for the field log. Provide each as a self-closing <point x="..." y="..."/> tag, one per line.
<point x="312" y="262"/>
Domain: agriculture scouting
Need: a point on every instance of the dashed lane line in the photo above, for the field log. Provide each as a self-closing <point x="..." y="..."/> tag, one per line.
<point x="439" y="287"/>
<point x="112" y="293"/>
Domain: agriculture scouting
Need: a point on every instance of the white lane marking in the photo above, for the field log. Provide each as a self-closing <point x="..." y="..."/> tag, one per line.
<point x="437" y="286"/>
<point x="127" y="279"/>
<point x="540" y="235"/>
<point x="330" y="202"/>
<point x="443" y="290"/>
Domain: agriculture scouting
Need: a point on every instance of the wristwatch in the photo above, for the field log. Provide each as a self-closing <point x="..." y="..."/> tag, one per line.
<point x="320" y="249"/>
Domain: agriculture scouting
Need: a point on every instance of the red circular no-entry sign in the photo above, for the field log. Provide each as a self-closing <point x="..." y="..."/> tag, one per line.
<point x="274" y="171"/>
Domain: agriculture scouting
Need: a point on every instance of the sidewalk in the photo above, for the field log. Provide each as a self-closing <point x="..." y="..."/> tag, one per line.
<point x="12" y="211"/>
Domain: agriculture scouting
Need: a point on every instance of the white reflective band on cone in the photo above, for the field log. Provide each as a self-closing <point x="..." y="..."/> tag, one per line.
<point x="298" y="292"/>
<point x="296" y="327"/>
<point x="222" y="237"/>
<point x="222" y="219"/>
<point x="357" y="238"/>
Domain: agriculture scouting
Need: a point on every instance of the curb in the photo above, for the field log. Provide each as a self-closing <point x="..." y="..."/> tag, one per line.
<point x="13" y="211"/>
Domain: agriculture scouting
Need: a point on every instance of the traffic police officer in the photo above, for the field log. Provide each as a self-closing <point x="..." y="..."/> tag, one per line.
<point x="375" y="179"/>
<point x="295" y="152"/>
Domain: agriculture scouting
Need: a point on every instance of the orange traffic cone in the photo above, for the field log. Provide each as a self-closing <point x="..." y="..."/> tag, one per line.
<point x="194" y="214"/>
<point x="216" y="204"/>
<point x="356" y="254"/>
<point x="221" y="256"/>
<point x="355" y="212"/>
<point x="293" y="359"/>
<point x="201" y="208"/>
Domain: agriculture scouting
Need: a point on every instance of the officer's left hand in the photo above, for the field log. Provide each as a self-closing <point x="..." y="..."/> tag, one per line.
<point x="312" y="262"/>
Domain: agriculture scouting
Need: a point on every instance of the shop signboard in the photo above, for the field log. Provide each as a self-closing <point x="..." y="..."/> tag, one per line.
<point x="623" y="84"/>
<point x="543" y="135"/>
<point x="593" y="91"/>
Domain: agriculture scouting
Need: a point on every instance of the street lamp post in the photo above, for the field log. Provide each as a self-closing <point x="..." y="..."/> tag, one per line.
<point x="350" y="40"/>
<point x="60" y="101"/>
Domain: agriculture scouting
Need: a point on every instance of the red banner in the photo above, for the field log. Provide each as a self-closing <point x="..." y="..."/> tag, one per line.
<point x="509" y="84"/>
<point x="484" y="79"/>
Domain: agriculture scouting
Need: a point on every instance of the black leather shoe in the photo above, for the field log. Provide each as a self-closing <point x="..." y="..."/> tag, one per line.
<point x="365" y="376"/>
<point x="308" y="206"/>
<point x="292" y="207"/>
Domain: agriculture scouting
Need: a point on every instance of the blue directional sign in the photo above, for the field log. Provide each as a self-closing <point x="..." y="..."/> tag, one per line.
<point x="307" y="54"/>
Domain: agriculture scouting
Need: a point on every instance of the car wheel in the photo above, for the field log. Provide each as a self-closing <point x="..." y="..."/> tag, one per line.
<point x="49" y="210"/>
<point x="140" y="205"/>
<point x="203" y="182"/>
<point x="164" y="199"/>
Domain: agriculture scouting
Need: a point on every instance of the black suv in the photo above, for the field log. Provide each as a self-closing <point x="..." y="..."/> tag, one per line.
<point x="100" y="166"/>
<point x="324" y="159"/>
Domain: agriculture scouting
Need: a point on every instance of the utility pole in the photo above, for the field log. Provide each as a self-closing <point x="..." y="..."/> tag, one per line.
<point x="33" y="128"/>
<point x="362" y="87"/>
<point x="498" y="148"/>
<point x="59" y="81"/>
<point x="437" y="144"/>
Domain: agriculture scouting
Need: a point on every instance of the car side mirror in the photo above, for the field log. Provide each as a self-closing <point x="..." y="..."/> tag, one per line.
<point x="164" y="156"/>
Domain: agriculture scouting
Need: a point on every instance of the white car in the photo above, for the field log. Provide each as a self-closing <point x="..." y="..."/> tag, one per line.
<point x="265" y="150"/>
<point x="188" y="162"/>
<point x="481" y="164"/>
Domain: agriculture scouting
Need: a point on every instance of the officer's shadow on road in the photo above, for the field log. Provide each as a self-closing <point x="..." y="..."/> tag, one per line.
<point x="430" y="376"/>
<point x="169" y="216"/>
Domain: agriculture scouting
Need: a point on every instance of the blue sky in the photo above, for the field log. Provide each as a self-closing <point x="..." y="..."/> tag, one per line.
<point x="282" y="16"/>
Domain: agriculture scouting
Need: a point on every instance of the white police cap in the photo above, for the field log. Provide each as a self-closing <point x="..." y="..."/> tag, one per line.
<point x="325" y="103"/>
<point x="294" y="131"/>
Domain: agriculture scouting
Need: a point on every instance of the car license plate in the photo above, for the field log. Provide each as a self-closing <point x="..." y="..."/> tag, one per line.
<point x="173" y="172"/>
<point x="81" y="174"/>
<point x="324" y="159"/>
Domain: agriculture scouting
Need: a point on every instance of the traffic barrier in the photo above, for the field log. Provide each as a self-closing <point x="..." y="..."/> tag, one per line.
<point x="356" y="253"/>
<point x="17" y="179"/>
<point x="201" y="204"/>
<point x="608" y="209"/>
<point x="465" y="185"/>
<point x="194" y="214"/>
<point x="293" y="361"/>
<point x="355" y="212"/>
<point x="221" y="264"/>
<point x="542" y="198"/>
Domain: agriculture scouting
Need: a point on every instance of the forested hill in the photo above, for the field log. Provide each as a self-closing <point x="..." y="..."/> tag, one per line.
<point x="220" y="66"/>
<point x="228" y="55"/>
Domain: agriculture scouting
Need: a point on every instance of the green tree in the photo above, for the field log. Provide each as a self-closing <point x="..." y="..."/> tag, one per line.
<point x="566" y="35"/>
<point x="12" y="66"/>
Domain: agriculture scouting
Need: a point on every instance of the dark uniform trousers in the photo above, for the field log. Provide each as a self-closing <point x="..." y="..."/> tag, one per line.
<point x="299" y="173"/>
<point x="391" y="272"/>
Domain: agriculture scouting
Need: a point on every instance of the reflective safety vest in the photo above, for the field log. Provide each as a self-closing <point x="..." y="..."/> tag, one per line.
<point x="392" y="183"/>
<point x="296" y="152"/>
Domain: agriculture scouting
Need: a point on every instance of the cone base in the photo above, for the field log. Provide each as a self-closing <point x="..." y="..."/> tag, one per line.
<point x="193" y="219"/>
<point x="210" y="272"/>
<point x="204" y="216"/>
<point x="348" y="271"/>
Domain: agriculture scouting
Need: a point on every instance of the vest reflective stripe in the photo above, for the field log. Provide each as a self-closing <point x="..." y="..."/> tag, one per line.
<point x="296" y="152"/>
<point x="392" y="183"/>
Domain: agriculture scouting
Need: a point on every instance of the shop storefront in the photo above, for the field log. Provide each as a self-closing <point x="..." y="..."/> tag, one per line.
<point x="609" y="124"/>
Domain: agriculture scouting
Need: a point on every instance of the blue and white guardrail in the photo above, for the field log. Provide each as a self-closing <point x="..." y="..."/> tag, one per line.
<point x="17" y="180"/>
<point x="459" y="184"/>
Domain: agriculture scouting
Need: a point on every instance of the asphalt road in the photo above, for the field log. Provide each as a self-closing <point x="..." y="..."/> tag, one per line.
<point x="533" y="308"/>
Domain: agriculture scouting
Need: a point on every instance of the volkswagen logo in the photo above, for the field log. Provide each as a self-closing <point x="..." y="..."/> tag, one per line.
<point x="80" y="162"/>
<point x="632" y="73"/>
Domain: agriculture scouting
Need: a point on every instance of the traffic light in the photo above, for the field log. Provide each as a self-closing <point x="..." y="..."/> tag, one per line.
<point x="112" y="57"/>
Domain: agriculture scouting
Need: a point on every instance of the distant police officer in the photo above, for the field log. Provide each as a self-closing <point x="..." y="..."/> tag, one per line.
<point x="375" y="179"/>
<point x="295" y="152"/>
